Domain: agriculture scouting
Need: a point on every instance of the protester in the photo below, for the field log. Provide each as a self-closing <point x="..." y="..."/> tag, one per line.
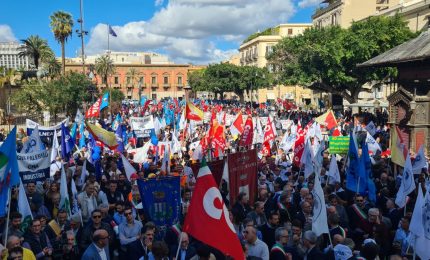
<point x="133" y="199"/>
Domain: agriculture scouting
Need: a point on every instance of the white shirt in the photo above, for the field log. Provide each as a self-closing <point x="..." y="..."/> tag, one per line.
<point x="102" y="252"/>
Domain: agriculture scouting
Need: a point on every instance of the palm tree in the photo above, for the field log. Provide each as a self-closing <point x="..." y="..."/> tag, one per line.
<point x="52" y="67"/>
<point x="132" y="75"/>
<point x="36" y="49"/>
<point x="62" y="26"/>
<point x="104" y="67"/>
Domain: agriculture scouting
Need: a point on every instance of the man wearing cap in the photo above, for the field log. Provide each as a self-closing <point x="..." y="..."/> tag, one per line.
<point x="312" y="251"/>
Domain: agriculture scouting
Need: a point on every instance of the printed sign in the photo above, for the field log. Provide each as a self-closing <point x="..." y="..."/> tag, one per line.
<point x="339" y="144"/>
<point x="142" y="125"/>
<point x="35" y="166"/>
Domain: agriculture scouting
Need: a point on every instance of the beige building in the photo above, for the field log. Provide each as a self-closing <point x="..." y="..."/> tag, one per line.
<point x="415" y="12"/>
<point x="344" y="12"/>
<point x="254" y="51"/>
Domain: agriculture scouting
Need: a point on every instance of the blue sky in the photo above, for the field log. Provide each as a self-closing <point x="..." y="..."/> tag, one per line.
<point x="196" y="31"/>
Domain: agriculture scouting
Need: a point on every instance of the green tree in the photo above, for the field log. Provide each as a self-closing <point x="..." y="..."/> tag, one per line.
<point x="36" y="48"/>
<point x="52" y="67"/>
<point x="64" y="94"/>
<point x="62" y="27"/>
<point x="132" y="74"/>
<point x="116" y="95"/>
<point x="326" y="59"/>
<point x="197" y="80"/>
<point x="104" y="67"/>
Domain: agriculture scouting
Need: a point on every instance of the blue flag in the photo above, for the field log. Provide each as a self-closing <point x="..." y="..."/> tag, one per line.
<point x="119" y="138"/>
<point x="142" y="100"/>
<point x="105" y="101"/>
<point x="352" y="172"/>
<point x="67" y="143"/>
<point x="367" y="186"/>
<point x="112" y="32"/>
<point x="73" y="131"/>
<point x="82" y="138"/>
<point x="9" y="172"/>
<point x="161" y="199"/>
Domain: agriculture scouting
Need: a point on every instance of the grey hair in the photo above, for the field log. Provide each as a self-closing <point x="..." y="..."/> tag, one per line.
<point x="279" y="231"/>
<point x="375" y="211"/>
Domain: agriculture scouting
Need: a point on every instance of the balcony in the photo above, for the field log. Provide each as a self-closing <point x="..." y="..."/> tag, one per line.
<point x="154" y="85"/>
<point x="322" y="10"/>
<point x="166" y="85"/>
<point x="179" y="85"/>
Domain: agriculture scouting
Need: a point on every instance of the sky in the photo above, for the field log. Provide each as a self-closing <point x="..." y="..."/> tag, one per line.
<point x="187" y="31"/>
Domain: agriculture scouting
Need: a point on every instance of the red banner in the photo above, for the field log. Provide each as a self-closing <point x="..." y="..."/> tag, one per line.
<point x="216" y="168"/>
<point x="248" y="132"/>
<point x="242" y="170"/>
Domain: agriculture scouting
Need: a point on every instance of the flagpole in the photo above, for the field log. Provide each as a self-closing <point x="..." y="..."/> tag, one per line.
<point x="179" y="245"/>
<point x="8" y="215"/>
<point x="108" y="37"/>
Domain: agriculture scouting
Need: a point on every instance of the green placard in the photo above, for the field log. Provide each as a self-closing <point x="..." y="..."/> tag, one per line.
<point x="338" y="144"/>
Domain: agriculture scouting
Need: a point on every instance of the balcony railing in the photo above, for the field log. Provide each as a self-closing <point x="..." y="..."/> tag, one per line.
<point x="154" y="85"/>
<point x="323" y="10"/>
<point x="166" y="85"/>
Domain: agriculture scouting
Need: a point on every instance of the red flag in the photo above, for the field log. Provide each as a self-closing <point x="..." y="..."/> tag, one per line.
<point x="265" y="150"/>
<point x="248" y="132"/>
<point x="145" y="106"/>
<point x="299" y="145"/>
<point x="207" y="209"/>
<point x="269" y="133"/>
<point x="94" y="110"/>
<point x="237" y="126"/>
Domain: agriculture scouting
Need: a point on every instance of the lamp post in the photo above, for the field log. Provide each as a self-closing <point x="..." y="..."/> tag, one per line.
<point x="81" y="34"/>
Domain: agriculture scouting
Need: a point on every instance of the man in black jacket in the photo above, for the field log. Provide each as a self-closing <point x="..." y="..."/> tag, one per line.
<point x="312" y="251"/>
<point x="268" y="230"/>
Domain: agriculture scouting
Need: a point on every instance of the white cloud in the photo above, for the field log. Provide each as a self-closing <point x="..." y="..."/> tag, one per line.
<point x="159" y="2"/>
<point x="6" y="34"/>
<point x="309" y="3"/>
<point x="186" y="29"/>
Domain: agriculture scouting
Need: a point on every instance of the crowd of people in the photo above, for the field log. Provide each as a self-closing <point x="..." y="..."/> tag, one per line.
<point x="278" y="225"/>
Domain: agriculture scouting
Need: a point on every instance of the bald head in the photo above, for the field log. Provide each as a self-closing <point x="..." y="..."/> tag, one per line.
<point x="101" y="238"/>
<point x="13" y="241"/>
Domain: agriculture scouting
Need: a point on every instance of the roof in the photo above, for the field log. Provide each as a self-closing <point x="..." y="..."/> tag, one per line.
<point x="416" y="49"/>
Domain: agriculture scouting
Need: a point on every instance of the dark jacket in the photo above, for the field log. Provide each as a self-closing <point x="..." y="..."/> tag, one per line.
<point x="190" y="252"/>
<point x="87" y="235"/>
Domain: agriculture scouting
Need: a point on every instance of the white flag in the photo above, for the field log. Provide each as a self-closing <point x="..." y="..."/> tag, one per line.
<point x="307" y="159"/>
<point x="84" y="174"/>
<point x="333" y="171"/>
<point x="24" y="207"/>
<point x="260" y="133"/>
<point x="318" y="158"/>
<point x="420" y="225"/>
<point x="175" y="145"/>
<point x="319" y="219"/>
<point x="420" y="161"/>
<point x="165" y="166"/>
<point x="318" y="133"/>
<point x="141" y="153"/>
<point x="408" y="184"/>
<point x="129" y="169"/>
<point x="33" y="143"/>
<point x="79" y="117"/>
<point x="372" y="144"/>
<point x="64" y="194"/>
<point x="55" y="165"/>
<point x="75" y="209"/>
<point x="182" y="121"/>
<point x="371" y="128"/>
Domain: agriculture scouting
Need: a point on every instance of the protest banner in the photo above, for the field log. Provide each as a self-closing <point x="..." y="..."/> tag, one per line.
<point x="216" y="168"/>
<point x="161" y="200"/>
<point x="142" y="125"/>
<point x="45" y="131"/>
<point x="338" y="144"/>
<point x="242" y="169"/>
<point x="34" y="166"/>
<point x="285" y="123"/>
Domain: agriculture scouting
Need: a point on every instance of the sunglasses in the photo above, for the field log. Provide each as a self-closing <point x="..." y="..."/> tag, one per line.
<point x="97" y="216"/>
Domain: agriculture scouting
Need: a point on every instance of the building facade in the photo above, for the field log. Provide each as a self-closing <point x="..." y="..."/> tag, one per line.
<point x="415" y="12"/>
<point x="127" y="58"/>
<point x="9" y="56"/>
<point x="254" y="53"/>
<point x="344" y="12"/>
<point x="152" y="81"/>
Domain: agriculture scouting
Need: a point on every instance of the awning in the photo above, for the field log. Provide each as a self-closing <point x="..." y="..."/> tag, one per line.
<point x="271" y="96"/>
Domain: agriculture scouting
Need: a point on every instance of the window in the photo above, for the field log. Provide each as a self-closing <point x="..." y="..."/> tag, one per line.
<point x="165" y="80"/>
<point x="141" y="79"/>
<point x="128" y="80"/>
<point x="116" y="80"/>
<point x="290" y="31"/>
<point x="334" y="19"/>
<point x="154" y="80"/>
<point x="180" y="80"/>
<point x="103" y="80"/>
<point x="154" y="96"/>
